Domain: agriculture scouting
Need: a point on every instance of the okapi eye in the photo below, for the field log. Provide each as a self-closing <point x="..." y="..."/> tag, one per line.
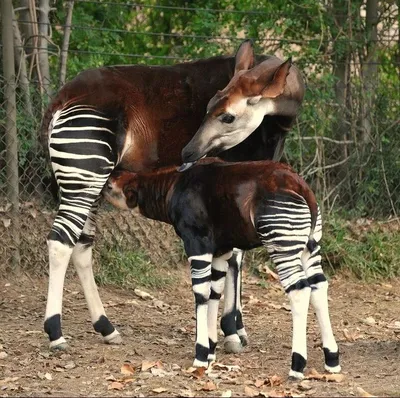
<point x="227" y="118"/>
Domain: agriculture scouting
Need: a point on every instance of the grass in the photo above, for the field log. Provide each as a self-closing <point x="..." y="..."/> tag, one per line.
<point x="371" y="252"/>
<point x="122" y="266"/>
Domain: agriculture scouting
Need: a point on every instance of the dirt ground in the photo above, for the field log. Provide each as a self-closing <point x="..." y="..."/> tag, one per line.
<point x="158" y="343"/>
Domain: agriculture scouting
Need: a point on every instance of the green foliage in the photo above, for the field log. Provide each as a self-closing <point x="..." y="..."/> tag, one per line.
<point x="368" y="253"/>
<point x="119" y="265"/>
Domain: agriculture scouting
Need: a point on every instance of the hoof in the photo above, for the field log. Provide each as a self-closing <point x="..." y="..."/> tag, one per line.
<point x="233" y="347"/>
<point x="58" y="345"/>
<point x="200" y="364"/>
<point x="334" y="369"/>
<point x="244" y="339"/>
<point x="114" y="338"/>
<point x="211" y="358"/>
<point x="294" y="376"/>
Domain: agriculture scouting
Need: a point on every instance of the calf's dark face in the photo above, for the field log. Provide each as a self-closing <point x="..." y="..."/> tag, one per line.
<point x="121" y="190"/>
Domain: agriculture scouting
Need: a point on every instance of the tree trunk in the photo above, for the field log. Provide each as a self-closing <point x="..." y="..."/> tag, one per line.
<point x="64" y="49"/>
<point x="20" y="62"/>
<point x="369" y="73"/>
<point x="44" y="26"/>
<point x="11" y="126"/>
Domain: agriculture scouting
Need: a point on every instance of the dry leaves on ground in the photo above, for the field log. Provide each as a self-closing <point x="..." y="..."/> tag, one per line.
<point x="335" y="377"/>
<point x="115" y="385"/>
<point x="127" y="369"/>
<point x="362" y="393"/>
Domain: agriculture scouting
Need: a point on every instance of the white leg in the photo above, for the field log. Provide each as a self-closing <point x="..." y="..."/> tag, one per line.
<point x="229" y="319"/>
<point x="299" y="302"/>
<point x="218" y="274"/>
<point x="241" y="331"/>
<point x="82" y="259"/>
<point x="200" y="267"/>
<point x="319" y="299"/>
<point x="59" y="255"/>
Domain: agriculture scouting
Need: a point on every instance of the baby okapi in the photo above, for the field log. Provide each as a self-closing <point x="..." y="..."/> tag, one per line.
<point x="217" y="206"/>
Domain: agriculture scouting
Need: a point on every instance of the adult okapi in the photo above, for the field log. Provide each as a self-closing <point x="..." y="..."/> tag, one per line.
<point x="140" y="118"/>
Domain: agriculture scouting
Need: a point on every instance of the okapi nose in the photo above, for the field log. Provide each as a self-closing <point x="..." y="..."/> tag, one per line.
<point x="187" y="155"/>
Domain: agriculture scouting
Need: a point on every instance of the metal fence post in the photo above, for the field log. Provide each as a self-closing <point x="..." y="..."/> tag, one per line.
<point x="11" y="126"/>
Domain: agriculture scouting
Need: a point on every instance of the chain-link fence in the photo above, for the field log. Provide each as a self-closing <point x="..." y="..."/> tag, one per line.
<point x="346" y="141"/>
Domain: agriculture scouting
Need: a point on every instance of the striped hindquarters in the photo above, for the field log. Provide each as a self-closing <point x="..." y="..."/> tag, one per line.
<point x="82" y="147"/>
<point x="284" y="224"/>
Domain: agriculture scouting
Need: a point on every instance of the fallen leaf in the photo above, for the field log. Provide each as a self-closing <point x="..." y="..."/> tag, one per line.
<point x="369" y="321"/>
<point x="258" y="383"/>
<point x="226" y="394"/>
<point x="305" y="385"/>
<point x="110" y="378"/>
<point x="146" y="365"/>
<point x="228" y="368"/>
<point x="273" y="381"/>
<point x="70" y="365"/>
<point x="286" y="307"/>
<point x="394" y="325"/>
<point x="250" y="392"/>
<point x="6" y="222"/>
<point x="197" y="372"/>
<point x="115" y="385"/>
<point x="362" y="393"/>
<point x="266" y="270"/>
<point x="159" y="390"/>
<point x="127" y="369"/>
<point x="143" y="295"/>
<point x="209" y="386"/>
<point x="48" y="376"/>
<point x="3" y="355"/>
<point x="336" y="377"/>
<point x="351" y="336"/>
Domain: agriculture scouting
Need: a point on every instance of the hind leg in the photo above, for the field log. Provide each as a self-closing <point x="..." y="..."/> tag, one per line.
<point x="232" y="320"/>
<point x="82" y="157"/>
<point x="319" y="298"/>
<point x="283" y="229"/>
<point x="82" y="260"/>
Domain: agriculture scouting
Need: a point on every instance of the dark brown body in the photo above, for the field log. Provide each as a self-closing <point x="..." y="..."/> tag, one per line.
<point x="216" y="203"/>
<point x="160" y="108"/>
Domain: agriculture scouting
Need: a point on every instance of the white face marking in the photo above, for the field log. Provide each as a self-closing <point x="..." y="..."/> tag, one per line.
<point x="114" y="195"/>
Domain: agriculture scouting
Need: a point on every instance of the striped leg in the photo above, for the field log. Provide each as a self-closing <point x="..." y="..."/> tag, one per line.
<point x="200" y="268"/>
<point x="311" y="260"/>
<point x="82" y="259"/>
<point x="219" y="267"/>
<point x="82" y="156"/>
<point x="231" y="320"/>
<point x="284" y="228"/>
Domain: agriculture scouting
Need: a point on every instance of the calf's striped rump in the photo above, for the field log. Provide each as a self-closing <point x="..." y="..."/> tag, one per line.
<point x="284" y="226"/>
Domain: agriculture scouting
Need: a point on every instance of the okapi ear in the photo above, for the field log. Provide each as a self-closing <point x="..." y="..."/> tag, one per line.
<point x="244" y="58"/>
<point x="276" y="86"/>
<point x="131" y="196"/>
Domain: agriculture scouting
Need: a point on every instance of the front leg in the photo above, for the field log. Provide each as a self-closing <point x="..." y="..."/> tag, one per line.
<point x="200" y="268"/>
<point x="218" y="274"/>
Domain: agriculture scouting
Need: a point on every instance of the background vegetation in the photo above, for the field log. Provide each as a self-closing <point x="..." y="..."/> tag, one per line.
<point x="346" y="142"/>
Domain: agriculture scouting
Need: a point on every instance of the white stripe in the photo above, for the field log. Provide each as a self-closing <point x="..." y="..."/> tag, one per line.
<point x="66" y="155"/>
<point x="80" y="140"/>
<point x="61" y="129"/>
<point x="202" y="257"/>
<point x="84" y="115"/>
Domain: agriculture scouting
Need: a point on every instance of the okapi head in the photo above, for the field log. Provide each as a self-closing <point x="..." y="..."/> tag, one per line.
<point x="121" y="189"/>
<point x="270" y="88"/>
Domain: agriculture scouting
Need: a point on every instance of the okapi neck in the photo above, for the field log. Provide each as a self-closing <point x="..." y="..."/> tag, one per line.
<point x="153" y="195"/>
